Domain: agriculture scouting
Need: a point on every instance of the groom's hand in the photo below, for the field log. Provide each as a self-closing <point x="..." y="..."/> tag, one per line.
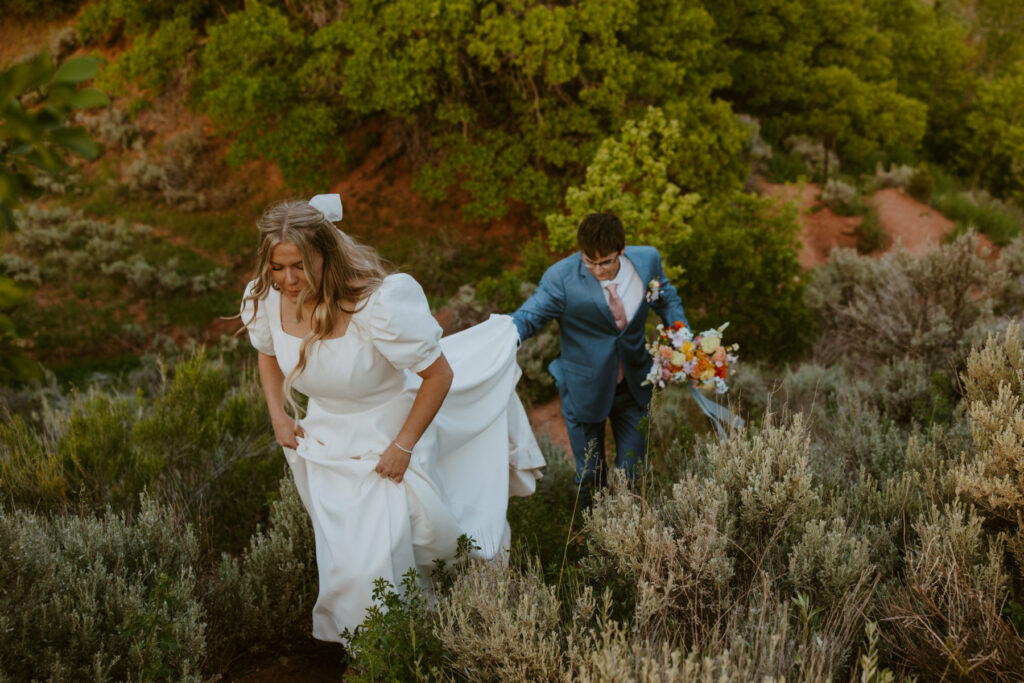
<point x="393" y="463"/>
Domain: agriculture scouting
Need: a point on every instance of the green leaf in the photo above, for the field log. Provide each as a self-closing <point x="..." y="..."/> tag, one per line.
<point x="87" y="99"/>
<point x="77" y="69"/>
<point x="78" y="141"/>
<point x="28" y="75"/>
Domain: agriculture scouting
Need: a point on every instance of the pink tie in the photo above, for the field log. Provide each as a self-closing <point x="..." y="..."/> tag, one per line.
<point x="615" y="303"/>
<point x="618" y="312"/>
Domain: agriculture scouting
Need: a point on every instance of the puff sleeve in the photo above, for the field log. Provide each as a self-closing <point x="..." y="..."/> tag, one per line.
<point x="401" y="325"/>
<point x="258" y="326"/>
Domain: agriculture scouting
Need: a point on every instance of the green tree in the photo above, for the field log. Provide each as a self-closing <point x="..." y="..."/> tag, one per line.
<point x="998" y="126"/>
<point x="252" y="85"/>
<point x="655" y="173"/>
<point x="816" y="66"/>
<point x="933" y="62"/>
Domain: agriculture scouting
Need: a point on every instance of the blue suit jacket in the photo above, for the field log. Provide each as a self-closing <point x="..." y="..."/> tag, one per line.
<point x="592" y="345"/>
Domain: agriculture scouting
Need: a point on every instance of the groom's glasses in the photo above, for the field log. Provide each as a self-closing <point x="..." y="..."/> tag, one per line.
<point x="603" y="263"/>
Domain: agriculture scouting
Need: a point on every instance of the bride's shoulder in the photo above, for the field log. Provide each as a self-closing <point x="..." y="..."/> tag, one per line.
<point x="396" y="287"/>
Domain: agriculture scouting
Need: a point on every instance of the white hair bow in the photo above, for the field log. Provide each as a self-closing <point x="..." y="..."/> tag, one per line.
<point x="329" y="205"/>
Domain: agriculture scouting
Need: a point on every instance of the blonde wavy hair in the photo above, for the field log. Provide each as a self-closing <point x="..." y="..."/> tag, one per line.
<point x="351" y="272"/>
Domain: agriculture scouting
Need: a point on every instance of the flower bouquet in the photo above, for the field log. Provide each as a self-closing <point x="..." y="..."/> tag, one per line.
<point x="681" y="358"/>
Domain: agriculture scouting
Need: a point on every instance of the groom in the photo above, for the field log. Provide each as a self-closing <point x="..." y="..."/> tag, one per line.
<point x="600" y="297"/>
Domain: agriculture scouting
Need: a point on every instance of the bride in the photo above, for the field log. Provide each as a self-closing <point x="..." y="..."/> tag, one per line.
<point x="408" y="440"/>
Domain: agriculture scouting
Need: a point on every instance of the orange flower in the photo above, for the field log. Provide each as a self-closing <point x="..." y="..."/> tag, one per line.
<point x="720" y="371"/>
<point x="678" y="325"/>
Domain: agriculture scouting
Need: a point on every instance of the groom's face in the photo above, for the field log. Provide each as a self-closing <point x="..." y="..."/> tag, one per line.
<point x="603" y="266"/>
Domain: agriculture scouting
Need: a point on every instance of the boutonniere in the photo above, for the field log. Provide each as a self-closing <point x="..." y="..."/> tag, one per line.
<point x="653" y="291"/>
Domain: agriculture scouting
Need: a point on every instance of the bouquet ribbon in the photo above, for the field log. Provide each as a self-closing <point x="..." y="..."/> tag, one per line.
<point x="716" y="413"/>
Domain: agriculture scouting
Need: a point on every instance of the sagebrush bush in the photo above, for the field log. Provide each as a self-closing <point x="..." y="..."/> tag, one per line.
<point x="100" y="598"/>
<point x="501" y="626"/>
<point x="673" y="560"/>
<point x="841" y="197"/>
<point x="200" y="441"/>
<point x="901" y="304"/>
<point x="944" y="618"/>
<point x="897" y="176"/>
<point x="263" y="600"/>
<point x="62" y="244"/>
<point x="991" y="475"/>
<point x="767" y="479"/>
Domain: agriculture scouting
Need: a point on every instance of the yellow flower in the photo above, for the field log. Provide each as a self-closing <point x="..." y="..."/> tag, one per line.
<point x="678" y="358"/>
<point x="710" y="343"/>
<point x="687" y="348"/>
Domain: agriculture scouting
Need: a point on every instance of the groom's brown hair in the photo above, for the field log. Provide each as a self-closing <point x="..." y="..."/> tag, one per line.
<point x="601" y="233"/>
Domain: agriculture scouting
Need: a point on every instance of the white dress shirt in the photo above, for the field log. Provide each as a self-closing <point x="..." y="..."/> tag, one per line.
<point x="628" y="286"/>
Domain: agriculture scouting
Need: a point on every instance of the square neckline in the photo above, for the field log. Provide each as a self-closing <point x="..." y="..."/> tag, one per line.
<point x="280" y="324"/>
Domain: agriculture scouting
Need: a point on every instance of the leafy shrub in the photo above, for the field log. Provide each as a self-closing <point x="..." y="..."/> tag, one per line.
<point x="741" y="266"/>
<point x="112" y="126"/>
<point x="787" y="167"/>
<point x="152" y="61"/>
<point x="105" y="18"/>
<point x="871" y="237"/>
<point x="62" y="244"/>
<point x="201" y="441"/>
<point x="921" y="184"/>
<point x="921" y="306"/>
<point x="812" y="153"/>
<point x="395" y="642"/>
<point x="1000" y="220"/>
<point x="100" y="598"/>
<point x="45" y="8"/>
<point x="667" y="168"/>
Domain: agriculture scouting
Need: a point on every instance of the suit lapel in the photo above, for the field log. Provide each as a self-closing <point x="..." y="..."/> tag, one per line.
<point x="596" y="294"/>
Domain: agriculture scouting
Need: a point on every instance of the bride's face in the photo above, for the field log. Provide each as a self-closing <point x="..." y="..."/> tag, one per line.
<point x="288" y="272"/>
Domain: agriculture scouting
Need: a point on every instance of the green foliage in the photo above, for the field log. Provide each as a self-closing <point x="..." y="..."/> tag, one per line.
<point x="921" y="184"/>
<point x="741" y="266"/>
<point x="846" y="95"/>
<point x="998" y="141"/>
<point x="36" y="98"/>
<point x="152" y="61"/>
<point x="201" y="440"/>
<point x="100" y="598"/>
<point x="871" y="237"/>
<point x="977" y="210"/>
<point x="932" y="62"/>
<point x="251" y="84"/>
<point x="49" y="9"/>
<point x="104" y="18"/>
<point x="395" y="643"/>
<point x="15" y="366"/>
<point x="261" y="601"/>
<point x="655" y="173"/>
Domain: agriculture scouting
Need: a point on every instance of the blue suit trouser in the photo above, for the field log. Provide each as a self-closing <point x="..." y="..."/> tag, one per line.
<point x="587" y="441"/>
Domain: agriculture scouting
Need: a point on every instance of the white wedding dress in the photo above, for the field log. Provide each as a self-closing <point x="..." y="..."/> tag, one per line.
<point x="477" y="452"/>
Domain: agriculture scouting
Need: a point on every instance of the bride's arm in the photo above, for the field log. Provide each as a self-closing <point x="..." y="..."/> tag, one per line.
<point x="437" y="380"/>
<point x="272" y="381"/>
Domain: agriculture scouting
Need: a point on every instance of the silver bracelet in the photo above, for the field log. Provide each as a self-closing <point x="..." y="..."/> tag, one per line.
<point x="399" y="447"/>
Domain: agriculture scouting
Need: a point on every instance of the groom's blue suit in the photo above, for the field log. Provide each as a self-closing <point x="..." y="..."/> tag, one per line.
<point x="592" y="347"/>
